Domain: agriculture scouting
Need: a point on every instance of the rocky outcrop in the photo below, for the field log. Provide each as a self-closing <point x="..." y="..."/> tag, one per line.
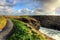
<point x="52" y="22"/>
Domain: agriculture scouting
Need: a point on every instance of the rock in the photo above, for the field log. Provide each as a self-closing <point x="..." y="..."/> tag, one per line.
<point x="52" y="22"/>
<point x="6" y="31"/>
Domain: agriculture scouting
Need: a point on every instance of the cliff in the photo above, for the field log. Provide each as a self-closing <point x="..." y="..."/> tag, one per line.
<point x="52" y="22"/>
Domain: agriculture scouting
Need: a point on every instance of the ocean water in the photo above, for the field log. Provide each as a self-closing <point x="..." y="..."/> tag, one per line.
<point x="55" y="34"/>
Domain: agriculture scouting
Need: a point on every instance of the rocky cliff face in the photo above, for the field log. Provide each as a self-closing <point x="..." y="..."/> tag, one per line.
<point x="52" y="22"/>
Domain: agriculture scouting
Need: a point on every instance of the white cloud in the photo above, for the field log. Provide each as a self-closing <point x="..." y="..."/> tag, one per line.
<point x="7" y="11"/>
<point x="26" y="11"/>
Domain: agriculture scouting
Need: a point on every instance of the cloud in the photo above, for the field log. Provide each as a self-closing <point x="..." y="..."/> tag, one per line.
<point x="24" y="11"/>
<point x="7" y="11"/>
<point x="50" y="5"/>
<point x="5" y="7"/>
<point x="57" y="10"/>
<point x="36" y="11"/>
<point x="7" y="2"/>
<point x="28" y="3"/>
<point x="40" y="11"/>
<point x="2" y="2"/>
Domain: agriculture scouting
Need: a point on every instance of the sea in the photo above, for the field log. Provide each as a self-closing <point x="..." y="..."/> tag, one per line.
<point x="55" y="34"/>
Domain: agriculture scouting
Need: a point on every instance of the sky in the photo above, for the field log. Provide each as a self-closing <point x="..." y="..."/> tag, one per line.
<point x="21" y="4"/>
<point x="40" y="7"/>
